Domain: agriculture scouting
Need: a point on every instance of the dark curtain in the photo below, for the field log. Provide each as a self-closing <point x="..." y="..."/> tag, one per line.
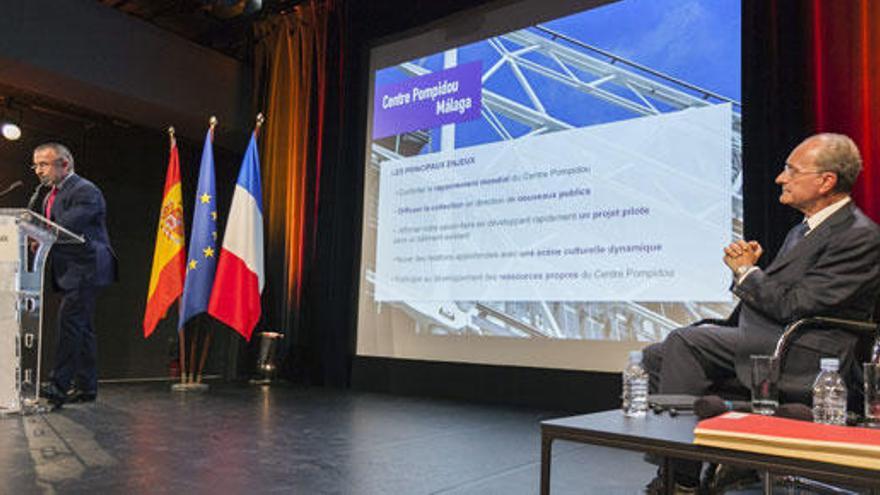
<point x="844" y="77"/>
<point x="328" y="312"/>
<point x="299" y="65"/>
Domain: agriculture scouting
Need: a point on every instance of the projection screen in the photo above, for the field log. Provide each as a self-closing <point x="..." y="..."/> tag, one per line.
<point x="551" y="183"/>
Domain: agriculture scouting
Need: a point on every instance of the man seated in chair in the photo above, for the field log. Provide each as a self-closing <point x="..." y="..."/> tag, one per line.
<point x="829" y="265"/>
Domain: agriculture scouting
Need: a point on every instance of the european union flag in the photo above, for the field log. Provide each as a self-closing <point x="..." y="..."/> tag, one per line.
<point x="202" y="260"/>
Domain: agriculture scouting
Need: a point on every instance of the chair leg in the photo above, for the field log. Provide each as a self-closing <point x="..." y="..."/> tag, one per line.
<point x="707" y="484"/>
<point x="668" y="476"/>
<point x="799" y="483"/>
<point x="767" y="482"/>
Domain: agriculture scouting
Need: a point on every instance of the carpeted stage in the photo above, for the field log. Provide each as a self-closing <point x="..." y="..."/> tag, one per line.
<point x="236" y="439"/>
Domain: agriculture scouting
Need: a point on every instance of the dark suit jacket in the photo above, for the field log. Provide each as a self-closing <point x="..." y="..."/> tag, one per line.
<point x="79" y="207"/>
<point x="833" y="271"/>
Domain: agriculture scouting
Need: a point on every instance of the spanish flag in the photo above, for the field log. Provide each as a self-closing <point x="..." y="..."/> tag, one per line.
<point x="169" y="257"/>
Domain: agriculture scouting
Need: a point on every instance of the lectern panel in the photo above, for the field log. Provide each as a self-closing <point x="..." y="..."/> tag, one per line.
<point x="25" y="240"/>
<point x="10" y="347"/>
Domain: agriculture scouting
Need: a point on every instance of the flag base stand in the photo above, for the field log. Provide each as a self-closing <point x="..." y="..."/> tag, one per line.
<point x="266" y="361"/>
<point x="190" y="387"/>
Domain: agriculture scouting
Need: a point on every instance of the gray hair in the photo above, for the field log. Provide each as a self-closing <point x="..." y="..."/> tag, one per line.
<point x="62" y="151"/>
<point x="838" y="153"/>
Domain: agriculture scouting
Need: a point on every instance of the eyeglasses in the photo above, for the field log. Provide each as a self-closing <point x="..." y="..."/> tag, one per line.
<point x="793" y="172"/>
<point x="40" y="165"/>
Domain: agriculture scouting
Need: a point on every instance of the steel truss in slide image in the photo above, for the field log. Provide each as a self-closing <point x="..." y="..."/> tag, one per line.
<point x="582" y="68"/>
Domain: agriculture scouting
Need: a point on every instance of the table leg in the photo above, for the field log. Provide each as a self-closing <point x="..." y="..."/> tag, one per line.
<point x="546" y="457"/>
<point x="668" y="476"/>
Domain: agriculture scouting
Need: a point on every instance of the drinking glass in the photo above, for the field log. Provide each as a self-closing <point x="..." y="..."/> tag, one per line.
<point x="765" y="385"/>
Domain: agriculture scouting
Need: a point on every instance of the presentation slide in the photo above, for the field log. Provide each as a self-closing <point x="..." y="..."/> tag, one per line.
<point x="552" y="194"/>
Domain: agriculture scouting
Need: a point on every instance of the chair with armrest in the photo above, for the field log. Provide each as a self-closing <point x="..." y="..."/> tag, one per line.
<point x="806" y="354"/>
<point x="863" y="334"/>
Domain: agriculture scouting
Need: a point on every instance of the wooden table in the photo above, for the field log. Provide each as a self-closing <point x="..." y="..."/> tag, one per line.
<point x="673" y="437"/>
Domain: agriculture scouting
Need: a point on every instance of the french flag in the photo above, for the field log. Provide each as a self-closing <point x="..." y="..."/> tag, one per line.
<point x="238" y="283"/>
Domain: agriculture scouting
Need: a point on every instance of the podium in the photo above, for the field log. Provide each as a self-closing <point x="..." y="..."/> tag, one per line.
<point x="25" y="240"/>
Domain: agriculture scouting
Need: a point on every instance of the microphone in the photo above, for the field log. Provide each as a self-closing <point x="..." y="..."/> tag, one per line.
<point x="708" y="406"/>
<point x="35" y="197"/>
<point x="15" y="185"/>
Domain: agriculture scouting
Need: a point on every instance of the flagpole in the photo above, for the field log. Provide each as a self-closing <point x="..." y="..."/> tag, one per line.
<point x="260" y="120"/>
<point x="204" y="356"/>
<point x="181" y="340"/>
<point x="193" y="345"/>
<point x="212" y="122"/>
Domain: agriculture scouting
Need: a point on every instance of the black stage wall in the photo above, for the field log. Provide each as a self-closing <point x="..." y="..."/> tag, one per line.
<point x="98" y="58"/>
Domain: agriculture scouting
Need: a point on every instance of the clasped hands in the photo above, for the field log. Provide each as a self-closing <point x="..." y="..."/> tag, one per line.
<point x="742" y="254"/>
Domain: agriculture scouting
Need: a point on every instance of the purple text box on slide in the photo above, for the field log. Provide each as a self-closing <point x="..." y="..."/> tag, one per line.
<point x="445" y="97"/>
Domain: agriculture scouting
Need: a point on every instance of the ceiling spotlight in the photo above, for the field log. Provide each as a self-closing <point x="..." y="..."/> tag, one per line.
<point x="10" y="131"/>
<point x="8" y="124"/>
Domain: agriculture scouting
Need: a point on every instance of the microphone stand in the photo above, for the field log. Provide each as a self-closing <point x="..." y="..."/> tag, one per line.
<point x="15" y="185"/>
<point x="35" y="197"/>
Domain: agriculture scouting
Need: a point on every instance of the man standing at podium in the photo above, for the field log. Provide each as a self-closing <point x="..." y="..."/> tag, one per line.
<point x="77" y="271"/>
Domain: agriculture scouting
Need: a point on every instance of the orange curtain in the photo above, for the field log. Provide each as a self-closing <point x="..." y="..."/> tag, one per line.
<point x="845" y="61"/>
<point x="290" y="61"/>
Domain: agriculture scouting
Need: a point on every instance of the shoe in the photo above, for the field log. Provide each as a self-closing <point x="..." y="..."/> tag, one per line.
<point x="53" y="394"/>
<point x="75" y="396"/>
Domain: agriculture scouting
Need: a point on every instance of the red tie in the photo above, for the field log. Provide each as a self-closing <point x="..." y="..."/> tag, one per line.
<point x="49" y="201"/>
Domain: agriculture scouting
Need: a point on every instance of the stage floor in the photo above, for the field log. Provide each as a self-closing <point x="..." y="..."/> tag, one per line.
<point x="237" y="439"/>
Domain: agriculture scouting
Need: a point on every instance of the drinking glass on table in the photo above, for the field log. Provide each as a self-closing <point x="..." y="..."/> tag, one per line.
<point x="765" y="385"/>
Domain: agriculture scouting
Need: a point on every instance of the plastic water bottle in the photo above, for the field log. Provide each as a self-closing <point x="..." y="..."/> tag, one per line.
<point x="635" y="387"/>
<point x="829" y="394"/>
